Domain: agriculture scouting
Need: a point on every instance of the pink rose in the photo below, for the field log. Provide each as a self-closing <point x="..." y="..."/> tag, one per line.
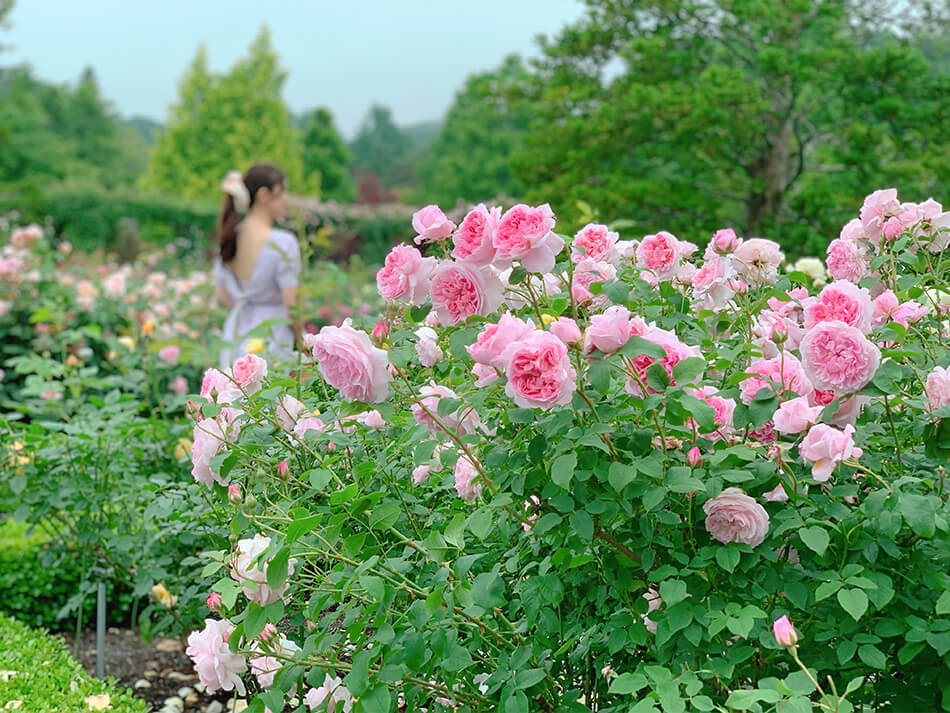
<point x="427" y="348"/>
<point x="218" y="387"/>
<point x="723" y="408"/>
<point x="371" y="419"/>
<point x="214" y="602"/>
<point x="169" y="354"/>
<point x="660" y="254"/>
<point x="847" y="260"/>
<point x="495" y="338"/>
<point x="465" y="419"/>
<point x="824" y="447"/>
<point x="586" y="272"/>
<point x="474" y="241"/>
<point x="250" y="570"/>
<point x="841" y="301"/>
<point x="598" y="242"/>
<point x="283" y="467"/>
<point x="776" y="495"/>
<point x="713" y="282"/>
<point x="723" y="243"/>
<point x="349" y="362"/>
<point x="795" y="416"/>
<point x="884" y="306"/>
<point x="785" y="370"/>
<point x="758" y="259"/>
<point x="675" y="351"/>
<point x="784" y="633"/>
<point x="539" y="372"/>
<point x="405" y="275"/>
<point x="289" y="411"/>
<point x="249" y="372"/>
<point x="265" y="666"/>
<point x="466" y="484"/>
<point x="337" y="697"/>
<point x="208" y="438"/>
<point x="460" y="291"/>
<point x="217" y="668"/>
<point x="694" y="457"/>
<point x="379" y="333"/>
<point x="526" y="234"/>
<point x="732" y="516"/>
<point x="609" y="331"/>
<point x="938" y="388"/>
<point x="565" y="329"/>
<point x="25" y="237"/>
<point x="485" y="375"/>
<point x="431" y="224"/>
<point x="179" y="385"/>
<point x="909" y="313"/>
<point x="310" y="423"/>
<point x="420" y="474"/>
<point x="839" y="357"/>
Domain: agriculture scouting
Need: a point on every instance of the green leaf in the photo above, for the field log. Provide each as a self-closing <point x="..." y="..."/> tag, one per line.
<point x="583" y="524"/>
<point x="727" y="558"/>
<point x="657" y="378"/>
<point x="277" y="569"/>
<point x="826" y="589"/>
<point x="919" y="512"/>
<point x="943" y="604"/>
<point x="672" y="591"/>
<point x="627" y="683"/>
<point x="377" y="700"/>
<point x="688" y="370"/>
<point x="799" y="683"/>
<point x="488" y="590"/>
<point x="853" y="601"/>
<point x="598" y="373"/>
<point x="529" y="677"/>
<point x="302" y="525"/>
<point x="816" y="538"/>
<point x="562" y="470"/>
<point x="517" y="702"/>
<point x="619" y="475"/>
<point x="638" y="346"/>
<point x="744" y="699"/>
<point x="384" y="516"/>
<point x="872" y="656"/>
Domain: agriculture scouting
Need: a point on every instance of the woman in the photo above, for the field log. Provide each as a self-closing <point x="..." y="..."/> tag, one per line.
<point x="258" y="271"/>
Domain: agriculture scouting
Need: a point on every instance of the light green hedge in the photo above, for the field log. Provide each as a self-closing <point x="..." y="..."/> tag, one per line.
<point x="36" y="668"/>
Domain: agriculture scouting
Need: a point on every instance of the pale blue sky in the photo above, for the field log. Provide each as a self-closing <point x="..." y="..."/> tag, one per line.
<point x="411" y="55"/>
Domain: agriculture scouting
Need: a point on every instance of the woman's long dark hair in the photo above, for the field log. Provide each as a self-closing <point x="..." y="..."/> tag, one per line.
<point x="258" y="176"/>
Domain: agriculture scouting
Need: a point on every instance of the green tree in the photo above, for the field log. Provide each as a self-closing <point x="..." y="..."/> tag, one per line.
<point x="227" y="121"/>
<point x="772" y="117"/>
<point x="383" y="149"/>
<point x="484" y="127"/>
<point x="326" y="157"/>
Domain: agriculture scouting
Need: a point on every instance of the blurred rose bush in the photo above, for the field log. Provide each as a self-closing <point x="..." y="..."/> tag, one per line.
<point x="589" y="474"/>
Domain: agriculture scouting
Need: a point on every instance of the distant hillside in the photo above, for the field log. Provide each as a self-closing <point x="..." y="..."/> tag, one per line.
<point x="423" y="133"/>
<point x="148" y="129"/>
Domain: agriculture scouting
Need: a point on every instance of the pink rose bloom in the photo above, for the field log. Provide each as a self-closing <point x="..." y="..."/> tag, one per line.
<point x="675" y="350"/>
<point x="219" y="387"/>
<point x="764" y="433"/>
<point x="841" y="301"/>
<point x="839" y="357"/>
<point x="234" y="493"/>
<point x="51" y="395"/>
<point x="283" y="467"/>
<point x="599" y="243"/>
<point x="758" y="259"/>
<point x="825" y="446"/>
<point x="771" y="328"/>
<point x="214" y="602"/>
<point x="5" y="307"/>
<point x="310" y="423"/>
<point x="660" y="254"/>
<point x="426" y="410"/>
<point x="466" y="484"/>
<point x="379" y="333"/>
<point x="25" y="237"/>
<point x="420" y="474"/>
<point x="938" y="388"/>
<point x="250" y="570"/>
<point x="784" y="632"/>
<point x="169" y="354"/>
<point x="474" y="241"/>
<point x="495" y="338"/>
<point x="427" y="348"/>
<point x="114" y="284"/>
<point x="776" y="495"/>
<point x="849" y="409"/>
<point x="565" y="329"/>
<point x="485" y="375"/>
<point x="179" y="385"/>
<point x="460" y="291"/>
<point x="539" y="372"/>
<point x="903" y="219"/>
<point x="732" y="516"/>
<point x="723" y="242"/>
<point x="724" y="410"/>
<point x="885" y="305"/>
<point x="586" y="272"/>
<point x="371" y="419"/>
<point x="349" y="362"/>
<point x="526" y="234"/>
<point x="404" y="275"/>
<point x="686" y="273"/>
<point x="431" y="224"/>
<point x="609" y="331"/>
<point x="847" y="260"/>
<point x="877" y="208"/>
<point x="785" y="370"/>
<point x="713" y="283"/>
<point x="795" y="416"/>
<point x="694" y="457"/>
<point x="288" y="411"/>
<point x="208" y="438"/>
<point x="266" y="666"/>
<point x="249" y="372"/>
<point x="337" y="696"/>
<point x="217" y="668"/>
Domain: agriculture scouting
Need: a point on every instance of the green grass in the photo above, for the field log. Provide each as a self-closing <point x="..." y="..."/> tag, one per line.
<point x="36" y="668"/>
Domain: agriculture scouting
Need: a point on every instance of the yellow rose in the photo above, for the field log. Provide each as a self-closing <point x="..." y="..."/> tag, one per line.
<point x="148" y="326"/>
<point x="100" y="702"/>
<point x="127" y="342"/>
<point x="547" y="319"/>
<point x="163" y="597"/>
<point x="254" y="346"/>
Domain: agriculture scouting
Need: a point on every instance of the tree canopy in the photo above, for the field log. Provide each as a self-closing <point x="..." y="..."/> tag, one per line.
<point x="326" y="157"/>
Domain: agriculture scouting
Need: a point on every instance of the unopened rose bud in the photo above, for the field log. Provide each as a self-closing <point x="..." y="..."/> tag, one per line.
<point x="214" y="602"/>
<point x="268" y="633"/>
<point x="234" y="493"/>
<point x="785" y="633"/>
<point x="283" y="467"/>
<point x="380" y="331"/>
<point x="694" y="456"/>
<point x="194" y="411"/>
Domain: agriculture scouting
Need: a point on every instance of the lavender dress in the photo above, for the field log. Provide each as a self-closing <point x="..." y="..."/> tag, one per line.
<point x="259" y="299"/>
